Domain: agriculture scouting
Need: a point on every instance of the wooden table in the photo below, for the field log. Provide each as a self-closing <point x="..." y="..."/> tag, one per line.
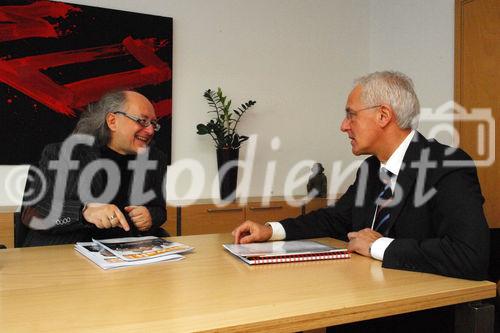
<point x="55" y="289"/>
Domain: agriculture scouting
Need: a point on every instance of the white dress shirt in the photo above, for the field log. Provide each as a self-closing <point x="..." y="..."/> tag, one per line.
<point x="393" y="164"/>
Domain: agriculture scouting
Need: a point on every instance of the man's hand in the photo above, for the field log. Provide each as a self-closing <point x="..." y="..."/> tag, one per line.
<point x="105" y="216"/>
<point x="140" y="216"/>
<point x="360" y="241"/>
<point x="251" y="232"/>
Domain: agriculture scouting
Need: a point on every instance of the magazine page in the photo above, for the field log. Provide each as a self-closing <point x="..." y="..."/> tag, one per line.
<point x="279" y="248"/>
<point x="106" y="260"/>
<point x="141" y="248"/>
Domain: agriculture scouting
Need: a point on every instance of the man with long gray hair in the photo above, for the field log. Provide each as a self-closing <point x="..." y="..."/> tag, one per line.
<point x="103" y="181"/>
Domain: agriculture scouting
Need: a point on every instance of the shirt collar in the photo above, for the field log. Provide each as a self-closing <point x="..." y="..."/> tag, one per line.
<point x="394" y="162"/>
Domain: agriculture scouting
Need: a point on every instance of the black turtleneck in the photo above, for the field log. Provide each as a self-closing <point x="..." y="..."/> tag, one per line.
<point x="122" y="197"/>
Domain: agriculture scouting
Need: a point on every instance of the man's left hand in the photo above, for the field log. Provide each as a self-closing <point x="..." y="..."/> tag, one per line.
<point x="140" y="216"/>
<point x="360" y="241"/>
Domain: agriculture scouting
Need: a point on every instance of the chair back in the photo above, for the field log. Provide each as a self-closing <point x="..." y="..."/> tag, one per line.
<point x="20" y="230"/>
<point x="494" y="269"/>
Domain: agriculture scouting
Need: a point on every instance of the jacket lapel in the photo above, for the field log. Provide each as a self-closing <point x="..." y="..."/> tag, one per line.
<point x="406" y="178"/>
<point x="373" y="187"/>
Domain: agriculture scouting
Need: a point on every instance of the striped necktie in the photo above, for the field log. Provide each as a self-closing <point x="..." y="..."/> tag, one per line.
<point x="382" y="212"/>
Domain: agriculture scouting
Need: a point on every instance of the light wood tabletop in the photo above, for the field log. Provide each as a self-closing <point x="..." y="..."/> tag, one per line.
<point x="55" y="289"/>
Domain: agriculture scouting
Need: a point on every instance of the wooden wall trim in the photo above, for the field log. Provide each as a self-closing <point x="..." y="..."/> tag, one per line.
<point x="7" y="229"/>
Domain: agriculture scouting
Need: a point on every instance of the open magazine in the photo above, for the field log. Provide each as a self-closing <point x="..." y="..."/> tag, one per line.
<point x="140" y="248"/>
<point x="105" y="259"/>
<point x="285" y="251"/>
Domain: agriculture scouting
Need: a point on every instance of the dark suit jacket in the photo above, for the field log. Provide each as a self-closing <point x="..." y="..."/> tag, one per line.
<point x="446" y="235"/>
<point x="70" y="226"/>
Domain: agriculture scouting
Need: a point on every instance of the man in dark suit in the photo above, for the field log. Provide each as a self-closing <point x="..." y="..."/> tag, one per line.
<point x="103" y="181"/>
<point x="424" y="213"/>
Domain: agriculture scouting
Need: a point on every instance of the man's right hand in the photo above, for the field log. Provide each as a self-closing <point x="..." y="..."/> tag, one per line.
<point x="251" y="232"/>
<point x="105" y="216"/>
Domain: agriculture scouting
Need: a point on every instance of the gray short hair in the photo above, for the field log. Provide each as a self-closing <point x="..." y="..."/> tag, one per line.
<point x="93" y="120"/>
<point x="395" y="89"/>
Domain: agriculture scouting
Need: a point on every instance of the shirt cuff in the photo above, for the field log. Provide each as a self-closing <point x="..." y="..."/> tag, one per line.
<point x="278" y="231"/>
<point x="379" y="246"/>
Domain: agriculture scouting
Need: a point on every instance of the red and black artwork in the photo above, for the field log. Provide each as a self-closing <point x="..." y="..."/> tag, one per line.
<point x="56" y="57"/>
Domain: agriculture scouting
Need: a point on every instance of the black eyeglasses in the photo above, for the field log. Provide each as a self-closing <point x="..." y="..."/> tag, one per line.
<point x="141" y="121"/>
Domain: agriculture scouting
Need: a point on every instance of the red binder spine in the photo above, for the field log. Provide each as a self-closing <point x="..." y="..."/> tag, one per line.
<point x="299" y="257"/>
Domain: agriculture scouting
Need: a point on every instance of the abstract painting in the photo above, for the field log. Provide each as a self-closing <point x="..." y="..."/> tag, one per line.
<point x="55" y="58"/>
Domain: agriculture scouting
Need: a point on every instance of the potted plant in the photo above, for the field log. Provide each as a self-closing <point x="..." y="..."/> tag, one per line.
<point x="222" y="129"/>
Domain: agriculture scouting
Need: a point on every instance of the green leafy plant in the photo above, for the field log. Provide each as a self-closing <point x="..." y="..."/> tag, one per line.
<point x="222" y="127"/>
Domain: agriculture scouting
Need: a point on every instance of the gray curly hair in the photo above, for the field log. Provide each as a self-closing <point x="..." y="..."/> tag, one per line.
<point x="395" y="89"/>
<point x="93" y="120"/>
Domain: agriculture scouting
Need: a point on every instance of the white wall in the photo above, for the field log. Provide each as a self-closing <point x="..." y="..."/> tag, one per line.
<point x="297" y="59"/>
<point x="417" y="38"/>
<point x="13" y="180"/>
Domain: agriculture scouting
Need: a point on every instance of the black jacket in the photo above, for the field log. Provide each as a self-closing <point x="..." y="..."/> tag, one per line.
<point x="70" y="226"/>
<point x="446" y="235"/>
